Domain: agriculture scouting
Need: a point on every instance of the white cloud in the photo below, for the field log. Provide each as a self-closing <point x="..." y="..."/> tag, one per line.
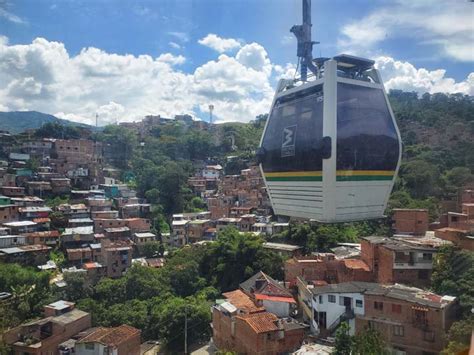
<point x="219" y="44"/>
<point x="182" y="36"/>
<point x="174" y="45"/>
<point x="285" y="72"/>
<point x="43" y="76"/>
<point x="11" y="17"/>
<point x="449" y="25"/>
<point x="254" y="56"/>
<point x="404" y="76"/>
<point x="171" y="59"/>
<point x="288" y="39"/>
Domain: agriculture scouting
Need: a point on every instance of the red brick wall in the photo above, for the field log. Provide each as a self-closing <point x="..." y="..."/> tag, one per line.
<point x="138" y="225"/>
<point x="413" y="339"/>
<point x="367" y="253"/>
<point x="101" y="224"/>
<point x="8" y="214"/>
<point x="410" y="221"/>
<point x="385" y="265"/>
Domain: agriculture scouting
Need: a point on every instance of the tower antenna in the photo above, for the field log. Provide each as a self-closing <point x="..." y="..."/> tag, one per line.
<point x="305" y="45"/>
<point x="211" y="108"/>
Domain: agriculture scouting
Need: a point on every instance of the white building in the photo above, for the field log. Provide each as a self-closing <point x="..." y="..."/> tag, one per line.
<point x="327" y="306"/>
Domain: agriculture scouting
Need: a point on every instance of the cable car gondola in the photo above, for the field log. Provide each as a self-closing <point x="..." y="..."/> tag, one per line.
<point x="331" y="149"/>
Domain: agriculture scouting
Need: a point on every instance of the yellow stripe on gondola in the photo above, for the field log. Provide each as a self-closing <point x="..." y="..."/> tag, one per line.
<point x="365" y="172"/>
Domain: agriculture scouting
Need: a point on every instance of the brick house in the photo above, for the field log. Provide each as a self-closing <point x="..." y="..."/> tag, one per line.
<point x="61" y="322"/>
<point x="13" y="191"/>
<point x="396" y="261"/>
<point x="325" y="267"/>
<point x="9" y="213"/>
<point x="458" y="228"/>
<point x="240" y="325"/>
<point x="121" y="340"/>
<point x="138" y="224"/>
<point x="411" y="321"/>
<point x="410" y="221"/>
<point x="101" y="224"/>
<point x="116" y="257"/>
<point x="196" y="229"/>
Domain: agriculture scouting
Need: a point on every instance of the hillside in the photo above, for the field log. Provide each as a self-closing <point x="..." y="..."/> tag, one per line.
<point x="19" y="121"/>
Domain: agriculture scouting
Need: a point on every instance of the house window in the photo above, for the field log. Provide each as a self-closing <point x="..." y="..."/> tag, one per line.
<point x="396" y="308"/>
<point x="398" y="330"/>
<point x="427" y="256"/>
<point x="331" y="298"/>
<point x="321" y="299"/>
<point x="378" y="305"/>
<point x="428" y="336"/>
<point x="90" y="346"/>
<point x="359" y="303"/>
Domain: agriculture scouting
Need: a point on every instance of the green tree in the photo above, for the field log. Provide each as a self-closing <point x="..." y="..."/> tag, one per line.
<point x="420" y="178"/>
<point x="77" y="286"/>
<point x="235" y="256"/>
<point x="111" y="291"/>
<point x="58" y="220"/>
<point x="368" y="342"/>
<point x="151" y="249"/>
<point x="458" y="177"/>
<point x="453" y="274"/>
<point x="459" y="336"/>
<point x="58" y="257"/>
<point x="167" y="321"/>
<point x="58" y="130"/>
<point x="343" y="342"/>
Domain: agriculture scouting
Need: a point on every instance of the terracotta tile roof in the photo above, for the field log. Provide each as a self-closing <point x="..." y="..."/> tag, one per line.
<point x="241" y="301"/>
<point x="41" y="220"/>
<point x="261" y="322"/>
<point x="356" y="264"/>
<point x="110" y="336"/>
<point x="275" y="298"/>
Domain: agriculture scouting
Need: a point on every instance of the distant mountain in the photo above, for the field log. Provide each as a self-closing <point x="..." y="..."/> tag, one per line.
<point x="19" y="121"/>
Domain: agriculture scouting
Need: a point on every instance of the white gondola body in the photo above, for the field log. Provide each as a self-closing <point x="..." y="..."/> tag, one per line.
<point x="350" y="186"/>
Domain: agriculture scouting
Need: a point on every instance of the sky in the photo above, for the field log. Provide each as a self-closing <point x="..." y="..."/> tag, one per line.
<point x="124" y="59"/>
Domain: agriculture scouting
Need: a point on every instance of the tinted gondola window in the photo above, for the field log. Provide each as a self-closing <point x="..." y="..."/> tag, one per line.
<point x="294" y="131"/>
<point x="366" y="135"/>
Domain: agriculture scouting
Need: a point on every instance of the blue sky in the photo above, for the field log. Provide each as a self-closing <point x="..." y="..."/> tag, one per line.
<point x="411" y="36"/>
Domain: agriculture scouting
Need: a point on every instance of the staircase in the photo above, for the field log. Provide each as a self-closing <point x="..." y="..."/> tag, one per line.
<point x="347" y="315"/>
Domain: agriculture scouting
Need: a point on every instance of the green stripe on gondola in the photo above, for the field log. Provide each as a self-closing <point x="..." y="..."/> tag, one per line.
<point x="342" y="175"/>
<point x="364" y="178"/>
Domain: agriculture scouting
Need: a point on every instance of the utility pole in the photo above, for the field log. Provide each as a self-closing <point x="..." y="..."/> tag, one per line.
<point x="185" y="330"/>
<point x="305" y="44"/>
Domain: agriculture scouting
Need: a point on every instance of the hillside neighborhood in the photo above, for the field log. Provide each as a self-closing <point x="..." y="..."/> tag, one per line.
<point x="65" y="210"/>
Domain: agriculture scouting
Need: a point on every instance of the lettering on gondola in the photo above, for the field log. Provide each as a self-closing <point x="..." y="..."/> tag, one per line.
<point x="288" y="141"/>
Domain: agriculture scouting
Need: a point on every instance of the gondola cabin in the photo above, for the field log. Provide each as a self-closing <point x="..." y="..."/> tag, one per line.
<point x="331" y="147"/>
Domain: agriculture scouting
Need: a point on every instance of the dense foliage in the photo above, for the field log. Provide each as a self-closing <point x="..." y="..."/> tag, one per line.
<point x="366" y="342"/>
<point x="323" y="237"/>
<point x="453" y="274"/>
<point x="153" y="300"/>
<point x="438" y="150"/>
